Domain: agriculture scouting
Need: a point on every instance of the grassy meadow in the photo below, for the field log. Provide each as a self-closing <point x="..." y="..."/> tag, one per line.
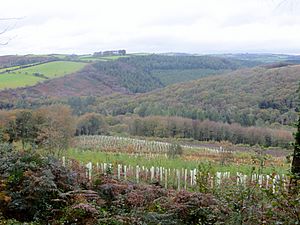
<point x="18" y="80"/>
<point x="54" y="69"/>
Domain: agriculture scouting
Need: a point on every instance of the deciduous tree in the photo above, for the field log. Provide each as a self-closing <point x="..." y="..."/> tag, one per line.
<point x="57" y="130"/>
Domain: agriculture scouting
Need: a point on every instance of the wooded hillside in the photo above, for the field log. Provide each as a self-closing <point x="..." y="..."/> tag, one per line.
<point x="250" y="97"/>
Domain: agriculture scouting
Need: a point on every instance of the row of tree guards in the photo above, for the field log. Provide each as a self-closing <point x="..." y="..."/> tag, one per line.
<point x="136" y="145"/>
<point x="184" y="178"/>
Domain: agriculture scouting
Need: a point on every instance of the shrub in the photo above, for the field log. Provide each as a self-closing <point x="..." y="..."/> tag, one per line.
<point x="205" y="170"/>
<point x="174" y="150"/>
<point x="29" y="183"/>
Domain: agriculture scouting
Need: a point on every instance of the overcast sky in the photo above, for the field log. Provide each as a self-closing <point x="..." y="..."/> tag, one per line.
<point x="193" y="26"/>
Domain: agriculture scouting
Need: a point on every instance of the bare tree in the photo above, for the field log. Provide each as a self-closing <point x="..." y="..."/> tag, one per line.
<point x="289" y="5"/>
<point x="7" y="28"/>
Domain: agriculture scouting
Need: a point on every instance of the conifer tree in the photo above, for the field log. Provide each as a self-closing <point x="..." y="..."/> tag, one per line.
<point x="296" y="156"/>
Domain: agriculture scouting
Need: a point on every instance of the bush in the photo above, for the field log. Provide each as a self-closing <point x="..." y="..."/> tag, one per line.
<point x="205" y="170"/>
<point x="29" y="185"/>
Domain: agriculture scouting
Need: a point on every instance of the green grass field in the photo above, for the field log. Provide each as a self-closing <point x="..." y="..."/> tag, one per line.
<point x="25" y="77"/>
<point x="18" y="80"/>
<point x="54" y="69"/>
<point x="86" y="156"/>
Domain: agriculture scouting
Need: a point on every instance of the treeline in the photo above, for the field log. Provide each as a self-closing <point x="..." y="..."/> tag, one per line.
<point x="176" y="127"/>
<point x="110" y="53"/>
<point x="15" y="60"/>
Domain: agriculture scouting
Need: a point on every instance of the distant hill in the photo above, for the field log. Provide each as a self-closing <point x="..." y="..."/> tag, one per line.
<point x="169" y="69"/>
<point x="256" y="96"/>
<point x="138" y="73"/>
<point x="263" y="57"/>
<point x="130" y="74"/>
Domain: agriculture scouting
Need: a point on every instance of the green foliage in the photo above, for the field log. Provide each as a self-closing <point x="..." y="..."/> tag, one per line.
<point x="134" y="79"/>
<point x="26" y="129"/>
<point x="205" y="169"/>
<point x="252" y="204"/>
<point x="80" y="105"/>
<point x="248" y="203"/>
<point x="91" y="124"/>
